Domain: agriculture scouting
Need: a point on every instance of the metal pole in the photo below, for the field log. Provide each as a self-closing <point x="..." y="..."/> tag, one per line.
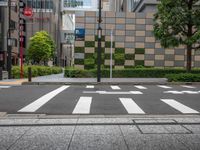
<point x="29" y="74"/>
<point x="9" y="46"/>
<point x="111" y="53"/>
<point x="21" y="27"/>
<point x="1" y="73"/>
<point x="99" y="46"/>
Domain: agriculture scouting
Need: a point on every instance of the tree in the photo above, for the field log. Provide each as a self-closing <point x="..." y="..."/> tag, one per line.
<point x="41" y="47"/>
<point x="177" y="22"/>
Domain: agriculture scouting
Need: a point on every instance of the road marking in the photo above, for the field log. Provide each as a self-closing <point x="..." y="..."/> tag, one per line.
<point x="107" y="92"/>
<point x="173" y="92"/>
<point x="90" y="86"/>
<point x="189" y="87"/>
<point x="41" y="101"/>
<point x="182" y="92"/>
<point x="130" y="106"/>
<point x="140" y="87"/>
<point x="115" y="87"/>
<point x="165" y="87"/>
<point x="191" y="92"/>
<point x="180" y="107"/>
<point x="83" y="106"/>
<point x="4" y="87"/>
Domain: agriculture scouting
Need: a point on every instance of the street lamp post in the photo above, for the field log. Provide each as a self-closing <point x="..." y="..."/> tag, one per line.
<point x="9" y="45"/>
<point x="99" y="31"/>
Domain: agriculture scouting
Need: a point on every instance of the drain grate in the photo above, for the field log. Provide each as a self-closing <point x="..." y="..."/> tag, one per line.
<point x="162" y="126"/>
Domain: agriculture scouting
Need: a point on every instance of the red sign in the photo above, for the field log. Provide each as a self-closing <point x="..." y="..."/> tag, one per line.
<point x="28" y="12"/>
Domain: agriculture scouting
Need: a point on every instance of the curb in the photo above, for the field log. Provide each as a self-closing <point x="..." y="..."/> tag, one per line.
<point x="93" y="83"/>
<point x="111" y="83"/>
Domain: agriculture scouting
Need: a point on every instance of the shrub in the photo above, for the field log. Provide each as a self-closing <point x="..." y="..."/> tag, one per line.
<point x="89" y="44"/>
<point x="36" y="71"/>
<point x="183" y="77"/>
<point x="78" y="73"/>
<point x="132" y="72"/>
<point x="79" y="50"/>
<point x="79" y="61"/>
<point x="139" y="51"/>
<point x="89" y="63"/>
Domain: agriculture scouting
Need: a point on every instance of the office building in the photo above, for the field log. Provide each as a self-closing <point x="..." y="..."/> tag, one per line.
<point x="4" y="27"/>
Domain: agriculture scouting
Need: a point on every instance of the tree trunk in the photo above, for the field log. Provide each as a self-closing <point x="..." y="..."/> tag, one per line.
<point x="189" y="58"/>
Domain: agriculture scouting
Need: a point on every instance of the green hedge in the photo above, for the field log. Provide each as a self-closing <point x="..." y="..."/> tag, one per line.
<point x="78" y="73"/>
<point x="79" y="49"/>
<point x="129" y="73"/>
<point x="89" y="63"/>
<point x="183" y="77"/>
<point x="36" y="71"/>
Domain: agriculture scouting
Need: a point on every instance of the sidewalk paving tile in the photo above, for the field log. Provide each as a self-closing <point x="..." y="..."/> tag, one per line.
<point x="97" y="129"/>
<point x="190" y="141"/>
<point x="153" y="142"/>
<point x="98" y="142"/>
<point x="194" y="128"/>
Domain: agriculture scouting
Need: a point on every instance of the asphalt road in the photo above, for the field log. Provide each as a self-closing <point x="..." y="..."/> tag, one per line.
<point x="100" y="99"/>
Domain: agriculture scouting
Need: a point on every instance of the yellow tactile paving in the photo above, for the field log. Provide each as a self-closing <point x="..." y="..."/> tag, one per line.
<point x="17" y="82"/>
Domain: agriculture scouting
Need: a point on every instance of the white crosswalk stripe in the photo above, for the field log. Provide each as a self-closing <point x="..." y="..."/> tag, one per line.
<point x="4" y="87"/>
<point x="164" y="87"/>
<point x="90" y="86"/>
<point x="41" y="101"/>
<point x="115" y="87"/>
<point x="180" y="107"/>
<point x="140" y="87"/>
<point x="83" y="106"/>
<point x="130" y="106"/>
<point x="189" y="87"/>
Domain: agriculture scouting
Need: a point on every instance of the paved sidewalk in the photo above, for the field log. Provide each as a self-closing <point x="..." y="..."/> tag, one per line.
<point x="60" y="79"/>
<point x="100" y="133"/>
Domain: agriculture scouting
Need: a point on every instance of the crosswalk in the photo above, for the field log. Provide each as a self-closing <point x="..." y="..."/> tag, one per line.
<point x="83" y="104"/>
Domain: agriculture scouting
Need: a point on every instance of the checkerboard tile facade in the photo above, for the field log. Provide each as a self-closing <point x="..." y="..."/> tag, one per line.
<point x="133" y="42"/>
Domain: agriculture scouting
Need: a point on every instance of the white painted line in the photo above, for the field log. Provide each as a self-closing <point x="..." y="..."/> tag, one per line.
<point x="191" y="92"/>
<point x="115" y="87"/>
<point x="173" y="92"/>
<point x="136" y="92"/>
<point x="130" y="106"/>
<point x="4" y="87"/>
<point x="41" y="101"/>
<point x="180" y="107"/>
<point x="107" y="92"/>
<point x="182" y="92"/>
<point x="165" y="87"/>
<point x="189" y="87"/>
<point x="90" y="86"/>
<point x="83" y="106"/>
<point x="140" y="87"/>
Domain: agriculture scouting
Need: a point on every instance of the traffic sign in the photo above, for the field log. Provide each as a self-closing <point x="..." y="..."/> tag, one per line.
<point x="28" y="12"/>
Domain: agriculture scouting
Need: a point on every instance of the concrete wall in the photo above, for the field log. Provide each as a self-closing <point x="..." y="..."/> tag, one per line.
<point x="134" y="42"/>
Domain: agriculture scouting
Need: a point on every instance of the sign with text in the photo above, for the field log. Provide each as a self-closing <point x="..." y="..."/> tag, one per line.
<point x="67" y="36"/>
<point x="75" y="5"/>
<point x="3" y="2"/>
<point x="79" y="34"/>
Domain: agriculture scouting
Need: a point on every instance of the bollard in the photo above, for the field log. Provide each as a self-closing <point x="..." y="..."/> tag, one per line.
<point x="29" y="74"/>
<point x="1" y="73"/>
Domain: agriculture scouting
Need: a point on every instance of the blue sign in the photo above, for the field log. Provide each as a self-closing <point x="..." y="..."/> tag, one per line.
<point x="79" y="34"/>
